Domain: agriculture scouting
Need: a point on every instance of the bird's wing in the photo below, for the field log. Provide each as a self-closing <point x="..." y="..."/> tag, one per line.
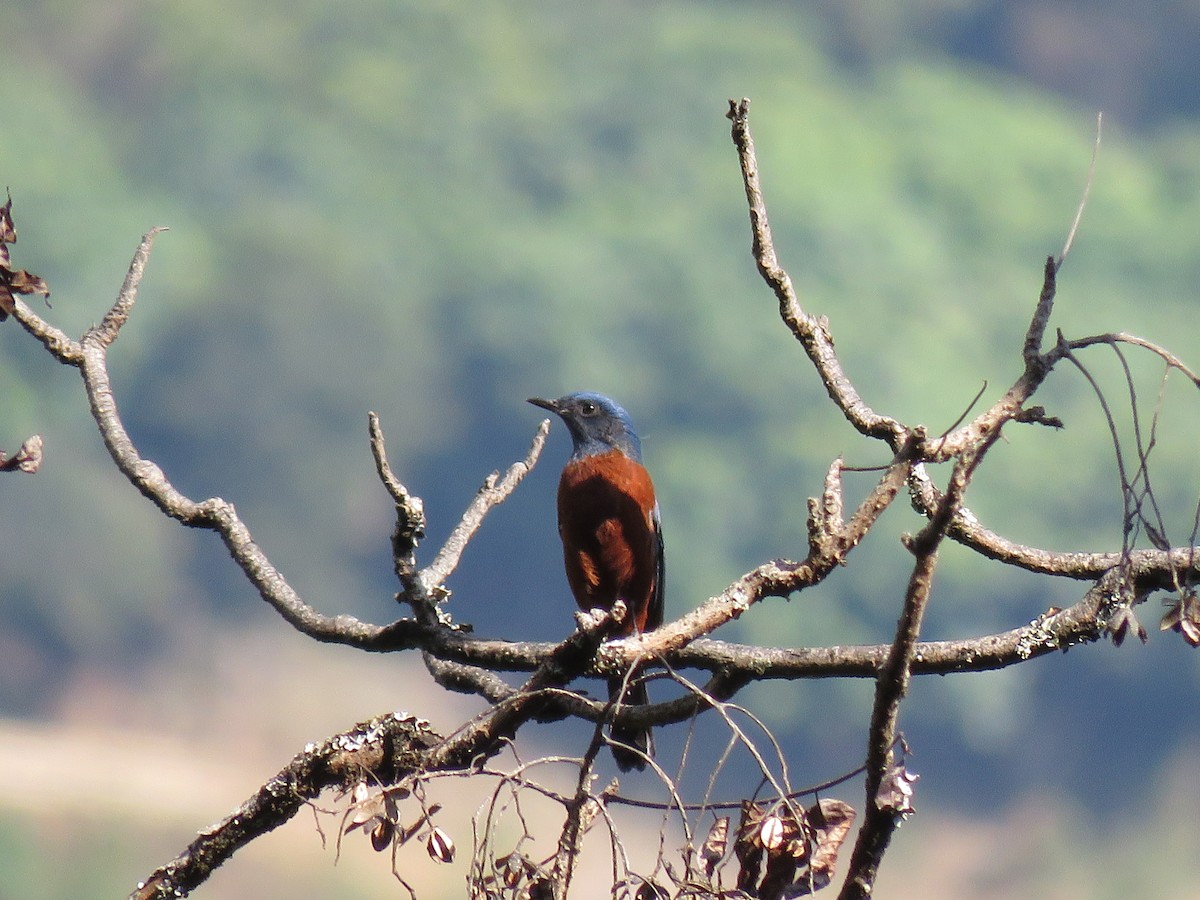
<point x="654" y="616"/>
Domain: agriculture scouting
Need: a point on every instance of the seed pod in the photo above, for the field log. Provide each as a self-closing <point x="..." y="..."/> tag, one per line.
<point x="381" y="834"/>
<point x="439" y="846"/>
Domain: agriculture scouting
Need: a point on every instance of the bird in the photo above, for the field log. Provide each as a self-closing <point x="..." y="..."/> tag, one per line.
<point x="611" y="533"/>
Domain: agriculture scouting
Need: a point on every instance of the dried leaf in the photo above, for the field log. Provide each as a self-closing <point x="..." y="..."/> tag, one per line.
<point x="439" y="846"/>
<point x="376" y="815"/>
<point x="28" y="459"/>
<point x="1184" y="617"/>
<point x="368" y="812"/>
<point x="1156" y="537"/>
<point x="1122" y="622"/>
<point x="1190" y="629"/>
<point x="781" y="870"/>
<point x="8" y="231"/>
<point x="513" y="868"/>
<point x="391" y="810"/>
<point x="747" y="848"/>
<point x="365" y="812"/>
<point x="715" y="845"/>
<point x="831" y="821"/>
<point x="14" y="281"/>
<point x="895" y="792"/>
<point x="22" y="282"/>
<point x="783" y="834"/>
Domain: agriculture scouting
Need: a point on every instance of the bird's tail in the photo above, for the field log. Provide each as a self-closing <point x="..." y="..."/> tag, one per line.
<point x="631" y="746"/>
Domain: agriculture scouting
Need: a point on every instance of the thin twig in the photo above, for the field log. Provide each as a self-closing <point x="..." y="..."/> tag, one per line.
<point x="1087" y="188"/>
<point x="1121" y="337"/>
<point x="495" y="490"/>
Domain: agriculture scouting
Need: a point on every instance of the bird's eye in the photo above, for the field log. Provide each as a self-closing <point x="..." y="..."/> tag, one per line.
<point x="588" y="408"/>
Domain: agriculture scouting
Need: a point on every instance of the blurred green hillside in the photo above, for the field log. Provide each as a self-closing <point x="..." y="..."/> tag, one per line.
<point x="435" y="210"/>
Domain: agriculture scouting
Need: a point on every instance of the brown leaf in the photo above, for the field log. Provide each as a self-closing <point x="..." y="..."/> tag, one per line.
<point x="747" y="848"/>
<point x="1184" y="617"/>
<point x="13" y="281"/>
<point x="895" y="792"/>
<point x="777" y="880"/>
<point x="8" y="231"/>
<point x="1190" y="629"/>
<point x="715" y="845"/>
<point x="830" y="821"/>
<point x="22" y="282"/>
<point x="783" y="834"/>
<point x="513" y="868"/>
<point x="1156" y="537"/>
<point x="361" y="816"/>
<point x="1122" y="622"/>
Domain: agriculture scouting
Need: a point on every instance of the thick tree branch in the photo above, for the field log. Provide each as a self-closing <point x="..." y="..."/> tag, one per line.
<point x="891" y="687"/>
<point x="385" y="749"/>
<point x="61" y="347"/>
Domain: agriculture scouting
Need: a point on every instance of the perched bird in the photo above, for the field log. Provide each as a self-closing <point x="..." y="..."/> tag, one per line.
<point x="611" y="536"/>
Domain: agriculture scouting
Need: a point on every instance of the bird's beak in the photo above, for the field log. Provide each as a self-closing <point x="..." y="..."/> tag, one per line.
<point x="551" y="405"/>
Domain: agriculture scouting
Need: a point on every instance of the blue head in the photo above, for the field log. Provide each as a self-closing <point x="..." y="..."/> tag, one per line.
<point x="597" y="424"/>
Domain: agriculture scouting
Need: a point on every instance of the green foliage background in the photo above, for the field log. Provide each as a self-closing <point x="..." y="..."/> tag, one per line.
<point x="435" y="210"/>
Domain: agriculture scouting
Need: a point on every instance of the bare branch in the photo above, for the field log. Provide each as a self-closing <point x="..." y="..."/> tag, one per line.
<point x="1041" y="316"/>
<point x="581" y="809"/>
<point x="387" y="748"/>
<point x="106" y="332"/>
<point x="410" y="511"/>
<point x="967" y="530"/>
<point x="61" y="347"/>
<point x="495" y="491"/>
<point x="1120" y="337"/>
<point x="813" y="333"/>
<point x="218" y="515"/>
<point x="892" y="684"/>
